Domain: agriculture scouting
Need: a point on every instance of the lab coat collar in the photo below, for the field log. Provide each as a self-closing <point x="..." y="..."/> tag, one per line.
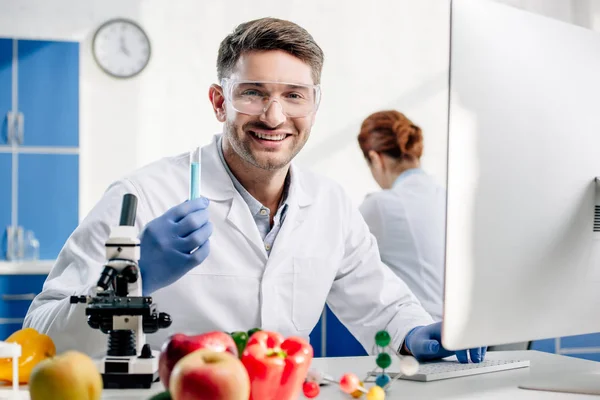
<point x="216" y="184"/>
<point x="297" y="188"/>
<point x="405" y="174"/>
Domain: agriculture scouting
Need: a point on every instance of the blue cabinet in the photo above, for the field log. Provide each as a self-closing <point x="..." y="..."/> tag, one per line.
<point x="315" y="339"/>
<point x="39" y="84"/>
<point x="49" y="198"/>
<point x="48" y="90"/>
<point x="545" y="345"/>
<point x="6" y="56"/>
<point x="5" y="197"/>
<point x="579" y="341"/>
<point x="16" y="294"/>
<point x="7" y="329"/>
<point x="340" y="342"/>
<point x="580" y="346"/>
<point x="39" y="161"/>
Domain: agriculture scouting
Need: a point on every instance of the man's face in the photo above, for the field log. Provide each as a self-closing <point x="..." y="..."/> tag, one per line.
<point x="271" y="139"/>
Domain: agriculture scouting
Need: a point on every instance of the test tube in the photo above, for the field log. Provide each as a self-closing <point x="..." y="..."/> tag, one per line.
<point x="195" y="164"/>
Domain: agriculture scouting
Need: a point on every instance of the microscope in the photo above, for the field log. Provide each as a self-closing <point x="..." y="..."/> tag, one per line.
<point x="119" y="310"/>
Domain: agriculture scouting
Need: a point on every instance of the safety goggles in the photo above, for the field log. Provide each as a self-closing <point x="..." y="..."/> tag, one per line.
<point x="255" y="97"/>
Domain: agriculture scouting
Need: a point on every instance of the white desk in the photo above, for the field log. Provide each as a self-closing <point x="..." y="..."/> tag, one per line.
<point x="39" y="267"/>
<point x="498" y="385"/>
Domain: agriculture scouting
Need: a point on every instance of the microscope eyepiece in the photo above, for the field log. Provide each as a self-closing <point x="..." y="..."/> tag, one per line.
<point x="128" y="210"/>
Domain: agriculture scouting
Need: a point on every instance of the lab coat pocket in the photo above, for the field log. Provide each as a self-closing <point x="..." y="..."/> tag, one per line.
<point x="313" y="278"/>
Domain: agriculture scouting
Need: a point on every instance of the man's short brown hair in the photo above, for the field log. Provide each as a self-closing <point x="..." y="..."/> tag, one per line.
<point x="269" y="34"/>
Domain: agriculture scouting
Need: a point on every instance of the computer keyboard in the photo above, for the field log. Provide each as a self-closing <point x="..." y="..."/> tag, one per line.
<point x="444" y="369"/>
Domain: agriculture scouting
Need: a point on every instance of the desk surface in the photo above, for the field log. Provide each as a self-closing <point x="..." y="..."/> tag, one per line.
<point x="39" y="267"/>
<point x="498" y="385"/>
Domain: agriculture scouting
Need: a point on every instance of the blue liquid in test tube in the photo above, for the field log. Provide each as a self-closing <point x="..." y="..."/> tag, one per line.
<point x="195" y="175"/>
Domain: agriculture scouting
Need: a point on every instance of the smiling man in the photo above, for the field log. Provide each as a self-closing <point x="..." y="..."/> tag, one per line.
<point x="267" y="244"/>
<point x="272" y="98"/>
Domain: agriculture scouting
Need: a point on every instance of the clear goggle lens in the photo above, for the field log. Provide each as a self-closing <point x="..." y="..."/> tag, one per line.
<point x="255" y="97"/>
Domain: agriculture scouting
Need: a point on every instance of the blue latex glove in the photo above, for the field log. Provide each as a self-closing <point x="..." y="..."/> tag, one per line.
<point x="167" y="243"/>
<point x="425" y="343"/>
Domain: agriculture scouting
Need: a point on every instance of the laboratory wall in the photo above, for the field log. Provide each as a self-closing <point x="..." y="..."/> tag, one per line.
<point x="378" y="55"/>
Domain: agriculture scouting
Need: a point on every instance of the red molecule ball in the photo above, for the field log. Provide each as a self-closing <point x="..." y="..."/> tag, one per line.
<point x="349" y="383"/>
<point x="311" y="389"/>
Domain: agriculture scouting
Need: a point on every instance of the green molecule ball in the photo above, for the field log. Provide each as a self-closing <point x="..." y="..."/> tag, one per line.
<point x="384" y="360"/>
<point x="382" y="339"/>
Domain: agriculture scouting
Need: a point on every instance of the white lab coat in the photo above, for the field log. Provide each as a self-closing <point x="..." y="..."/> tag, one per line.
<point x="323" y="252"/>
<point x="408" y="222"/>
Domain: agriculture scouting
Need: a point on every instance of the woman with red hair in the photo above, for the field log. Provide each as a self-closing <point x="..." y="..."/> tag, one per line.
<point x="407" y="217"/>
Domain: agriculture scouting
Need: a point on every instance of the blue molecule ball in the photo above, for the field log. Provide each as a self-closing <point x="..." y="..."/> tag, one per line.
<point x="382" y="380"/>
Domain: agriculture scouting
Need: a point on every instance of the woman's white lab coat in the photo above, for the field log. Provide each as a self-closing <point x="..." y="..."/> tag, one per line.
<point x="323" y="252"/>
<point x="408" y="222"/>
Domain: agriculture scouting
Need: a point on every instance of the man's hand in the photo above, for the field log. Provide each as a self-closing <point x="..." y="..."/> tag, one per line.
<point x="174" y="243"/>
<point x="425" y="343"/>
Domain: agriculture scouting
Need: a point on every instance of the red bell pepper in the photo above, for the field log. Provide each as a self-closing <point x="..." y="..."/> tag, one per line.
<point x="277" y="368"/>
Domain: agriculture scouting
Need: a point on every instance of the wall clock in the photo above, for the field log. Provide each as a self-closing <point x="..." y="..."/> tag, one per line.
<point x="121" y="48"/>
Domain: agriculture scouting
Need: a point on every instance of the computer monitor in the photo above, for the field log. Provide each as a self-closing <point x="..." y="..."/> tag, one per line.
<point x="523" y="206"/>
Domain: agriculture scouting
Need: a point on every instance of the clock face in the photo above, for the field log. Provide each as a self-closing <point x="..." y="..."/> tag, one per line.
<point x="121" y="48"/>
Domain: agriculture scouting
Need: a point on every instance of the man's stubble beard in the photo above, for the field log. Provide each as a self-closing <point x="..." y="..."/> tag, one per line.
<point x="241" y="146"/>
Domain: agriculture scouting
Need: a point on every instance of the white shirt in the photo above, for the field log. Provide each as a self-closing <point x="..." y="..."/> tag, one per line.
<point x="409" y="223"/>
<point x="323" y="253"/>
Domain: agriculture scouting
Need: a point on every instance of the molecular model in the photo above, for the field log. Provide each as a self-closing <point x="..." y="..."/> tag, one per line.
<point x="351" y="384"/>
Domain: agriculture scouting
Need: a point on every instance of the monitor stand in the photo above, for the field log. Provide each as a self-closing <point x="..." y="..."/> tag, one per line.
<point x="580" y="383"/>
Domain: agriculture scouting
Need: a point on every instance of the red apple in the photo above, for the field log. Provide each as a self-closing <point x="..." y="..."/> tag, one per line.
<point x="179" y="345"/>
<point x="209" y="375"/>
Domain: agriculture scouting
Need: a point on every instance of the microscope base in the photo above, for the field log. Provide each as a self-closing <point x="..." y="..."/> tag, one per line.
<point x="130" y="372"/>
<point x="128" y="381"/>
